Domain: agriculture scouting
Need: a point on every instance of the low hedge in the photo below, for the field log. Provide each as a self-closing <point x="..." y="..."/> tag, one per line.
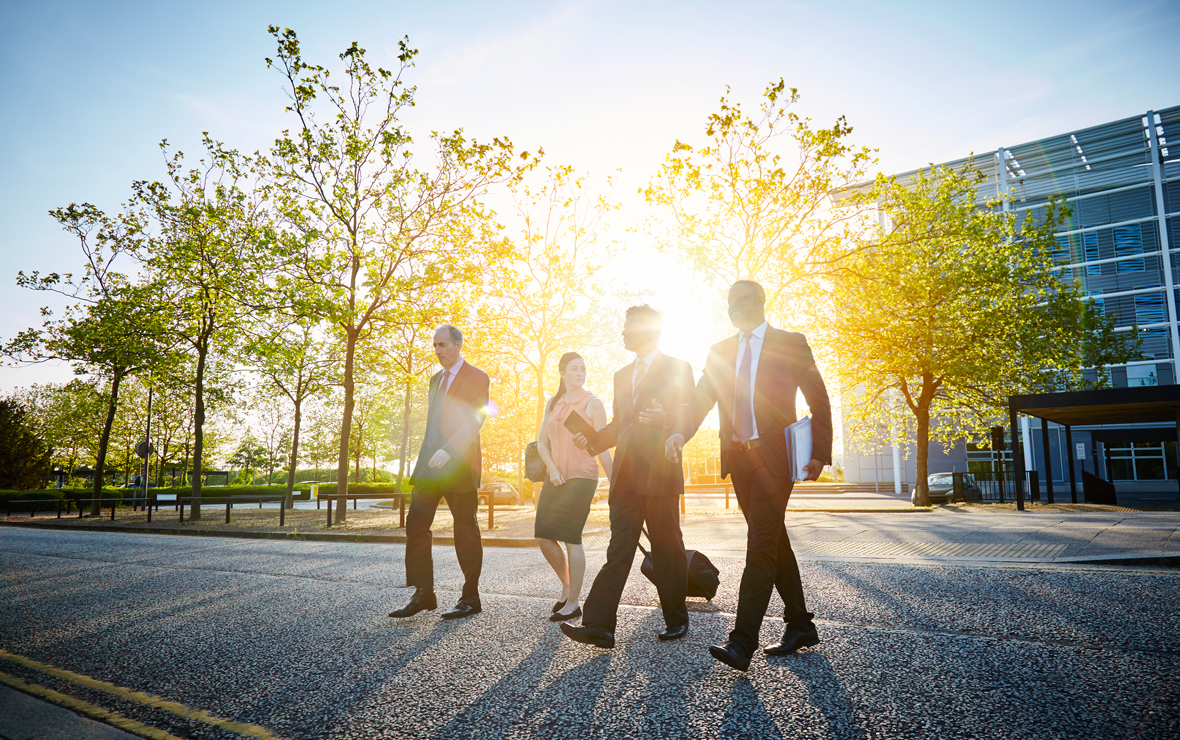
<point x="64" y="493"/>
<point x="361" y="487"/>
<point x="58" y="494"/>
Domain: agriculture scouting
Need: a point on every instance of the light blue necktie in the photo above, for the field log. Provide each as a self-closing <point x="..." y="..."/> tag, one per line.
<point x="743" y="422"/>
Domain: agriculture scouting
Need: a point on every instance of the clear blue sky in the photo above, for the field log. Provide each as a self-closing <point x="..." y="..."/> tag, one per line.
<point x="89" y="89"/>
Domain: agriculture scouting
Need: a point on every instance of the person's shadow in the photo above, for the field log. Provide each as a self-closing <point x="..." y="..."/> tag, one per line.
<point x="746" y="716"/>
<point x="825" y="692"/>
<point x="510" y="700"/>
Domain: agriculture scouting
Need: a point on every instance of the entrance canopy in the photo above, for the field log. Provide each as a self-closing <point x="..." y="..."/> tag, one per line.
<point x="1140" y="405"/>
<point x="1156" y="403"/>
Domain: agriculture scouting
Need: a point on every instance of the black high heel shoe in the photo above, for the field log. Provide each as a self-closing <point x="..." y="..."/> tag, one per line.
<point x="557" y="606"/>
<point x="557" y="617"/>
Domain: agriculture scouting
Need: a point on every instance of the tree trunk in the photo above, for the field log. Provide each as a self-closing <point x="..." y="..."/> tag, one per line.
<point x="294" y="455"/>
<point x="199" y="430"/>
<point x="346" y="424"/>
<point x="922" y="440"/>
<point x="101" y="464"/>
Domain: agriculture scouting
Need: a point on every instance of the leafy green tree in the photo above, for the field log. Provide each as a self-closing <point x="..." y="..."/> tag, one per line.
<point x="296" y="362"/>
<point x="377" y="229"/>
<point x="248" y="456"/>
<point x="68" y="416"/>
<point x="115" y="327"/>
<point x="207" y="245"/>
<point x="735" y="208"/>
<point x="940" y="316"/>
<point x="24" y="457"/>
<point x="546" y="301"/>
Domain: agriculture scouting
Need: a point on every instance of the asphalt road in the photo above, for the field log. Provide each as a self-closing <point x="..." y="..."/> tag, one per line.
<point x="292" y="638"/>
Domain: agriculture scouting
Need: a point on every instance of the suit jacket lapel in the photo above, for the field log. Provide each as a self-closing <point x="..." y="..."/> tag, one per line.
<point x="458" y="381"/>
<point x="770" y="350"/>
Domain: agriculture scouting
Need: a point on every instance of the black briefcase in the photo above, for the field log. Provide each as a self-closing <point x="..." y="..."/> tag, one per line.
<point x="703" y="576"/>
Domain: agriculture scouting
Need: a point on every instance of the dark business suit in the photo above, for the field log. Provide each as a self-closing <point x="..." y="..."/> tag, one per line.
<point x="454" y="418"/>
<point x="761" y="474"/>
<point x="645" y="487"/>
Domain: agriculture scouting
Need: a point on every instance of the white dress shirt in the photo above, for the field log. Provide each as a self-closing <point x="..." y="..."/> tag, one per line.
<point x="647" y="361"/>
<point x="756" y="338"/>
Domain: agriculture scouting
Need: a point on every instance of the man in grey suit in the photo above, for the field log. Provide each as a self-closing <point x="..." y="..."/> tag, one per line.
<point x="449" y="466"/>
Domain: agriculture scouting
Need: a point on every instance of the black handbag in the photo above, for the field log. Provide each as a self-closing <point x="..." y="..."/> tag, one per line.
<point x="703" y="576"/>
<point x="534" y="466"/>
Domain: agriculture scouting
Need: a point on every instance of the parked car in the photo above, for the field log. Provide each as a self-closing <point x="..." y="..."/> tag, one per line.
<point x="942" y="488"/>
<point x="602" y="492"/>
<point x="502" y="494"/>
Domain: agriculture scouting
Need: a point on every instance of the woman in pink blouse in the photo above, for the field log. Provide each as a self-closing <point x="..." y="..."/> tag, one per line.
<point x="564" y="502"/>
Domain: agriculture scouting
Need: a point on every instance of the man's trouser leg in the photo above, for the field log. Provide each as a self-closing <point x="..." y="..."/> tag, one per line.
<point x="770" y="562"/>
<point x="419" y="557"/>
<point x="468" y="543"/>
<point x="668" y="558"/>
<point x="626" y="519"/>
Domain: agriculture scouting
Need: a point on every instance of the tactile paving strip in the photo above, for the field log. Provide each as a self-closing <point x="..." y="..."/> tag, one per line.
<point x="882" y="549"/>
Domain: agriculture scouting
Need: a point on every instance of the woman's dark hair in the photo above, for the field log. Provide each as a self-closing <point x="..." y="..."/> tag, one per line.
<point x="562" y="364"/>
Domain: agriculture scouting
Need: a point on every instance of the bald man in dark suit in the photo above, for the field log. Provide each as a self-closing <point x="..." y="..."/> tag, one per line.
<point x="753" y="378"/>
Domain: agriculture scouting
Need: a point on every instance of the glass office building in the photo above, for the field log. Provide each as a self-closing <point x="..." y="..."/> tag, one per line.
<point x="1122" y="244"/>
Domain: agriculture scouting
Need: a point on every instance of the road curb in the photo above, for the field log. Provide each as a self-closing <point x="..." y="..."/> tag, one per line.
<point x="293" y="536"/>
<point x="1124" y="558"/>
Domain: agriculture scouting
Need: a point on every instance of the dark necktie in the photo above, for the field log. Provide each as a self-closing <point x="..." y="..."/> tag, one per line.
<point x="434" y="423"/>
<point x="743" y="423"/>
<point x="641" y="370"/>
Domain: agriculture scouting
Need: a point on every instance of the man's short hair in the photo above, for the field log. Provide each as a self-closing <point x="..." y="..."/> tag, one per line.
<point x="452" y="330"/>
<point x="757" y="289"/>
<point x="647" y="316"/>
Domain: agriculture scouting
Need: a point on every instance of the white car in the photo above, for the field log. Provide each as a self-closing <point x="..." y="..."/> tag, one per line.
<point x="502" y="494"/>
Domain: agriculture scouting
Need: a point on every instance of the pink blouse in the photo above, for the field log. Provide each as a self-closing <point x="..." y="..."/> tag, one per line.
<point x="571" y="461"/>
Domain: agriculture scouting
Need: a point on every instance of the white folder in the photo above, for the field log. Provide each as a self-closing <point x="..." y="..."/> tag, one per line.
<point x="799" y="448"/>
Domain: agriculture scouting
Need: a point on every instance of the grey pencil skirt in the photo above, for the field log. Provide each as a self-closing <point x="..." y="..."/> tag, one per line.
<point x="562" y="510"/>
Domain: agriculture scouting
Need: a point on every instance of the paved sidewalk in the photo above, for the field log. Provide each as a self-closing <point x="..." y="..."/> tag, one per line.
<point x="24" y="717"/>
<point x="943" y="533"/>
<point x="959" y="533"/>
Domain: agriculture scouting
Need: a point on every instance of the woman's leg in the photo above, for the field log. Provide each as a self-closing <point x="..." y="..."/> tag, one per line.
<point x="577" y="571"/>
<point x="553" y="553"/>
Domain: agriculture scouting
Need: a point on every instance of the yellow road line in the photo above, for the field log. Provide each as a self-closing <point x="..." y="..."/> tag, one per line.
<point x="155" y="702"/>
<point x="103" y="715"/>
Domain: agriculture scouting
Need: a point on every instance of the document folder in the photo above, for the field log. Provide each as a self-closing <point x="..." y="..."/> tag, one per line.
<point x="799" y="448"/>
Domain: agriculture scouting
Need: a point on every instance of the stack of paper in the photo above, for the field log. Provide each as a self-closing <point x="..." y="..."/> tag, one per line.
<point x="799" y="448"/>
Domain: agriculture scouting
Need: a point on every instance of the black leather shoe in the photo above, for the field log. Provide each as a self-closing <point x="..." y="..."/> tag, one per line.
<point x="732" y="655"/>
<point x="557" y="607"/>
<point x="465" y="608"/>
<point x="559" y="617"/>
<point x="792" y="641"/>
<point x="589" y="635"/>
<point x="419" y="602"/>
<point x="674" y="633"/>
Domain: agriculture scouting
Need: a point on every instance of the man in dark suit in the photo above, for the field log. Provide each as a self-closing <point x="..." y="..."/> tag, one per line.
<point x="650" y="395"/>
<point x="753" y="378"/>
<point x="449" y="466"/>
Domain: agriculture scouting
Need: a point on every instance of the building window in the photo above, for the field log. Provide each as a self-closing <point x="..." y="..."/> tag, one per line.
<point x="1143" y="461"/>
<point x="1090" y="243"/>
<point x="981" y="460"/>
<point x="1128" y="240"/>
<point x="1140" y="375"/>
<point x="1149" y="309"/>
